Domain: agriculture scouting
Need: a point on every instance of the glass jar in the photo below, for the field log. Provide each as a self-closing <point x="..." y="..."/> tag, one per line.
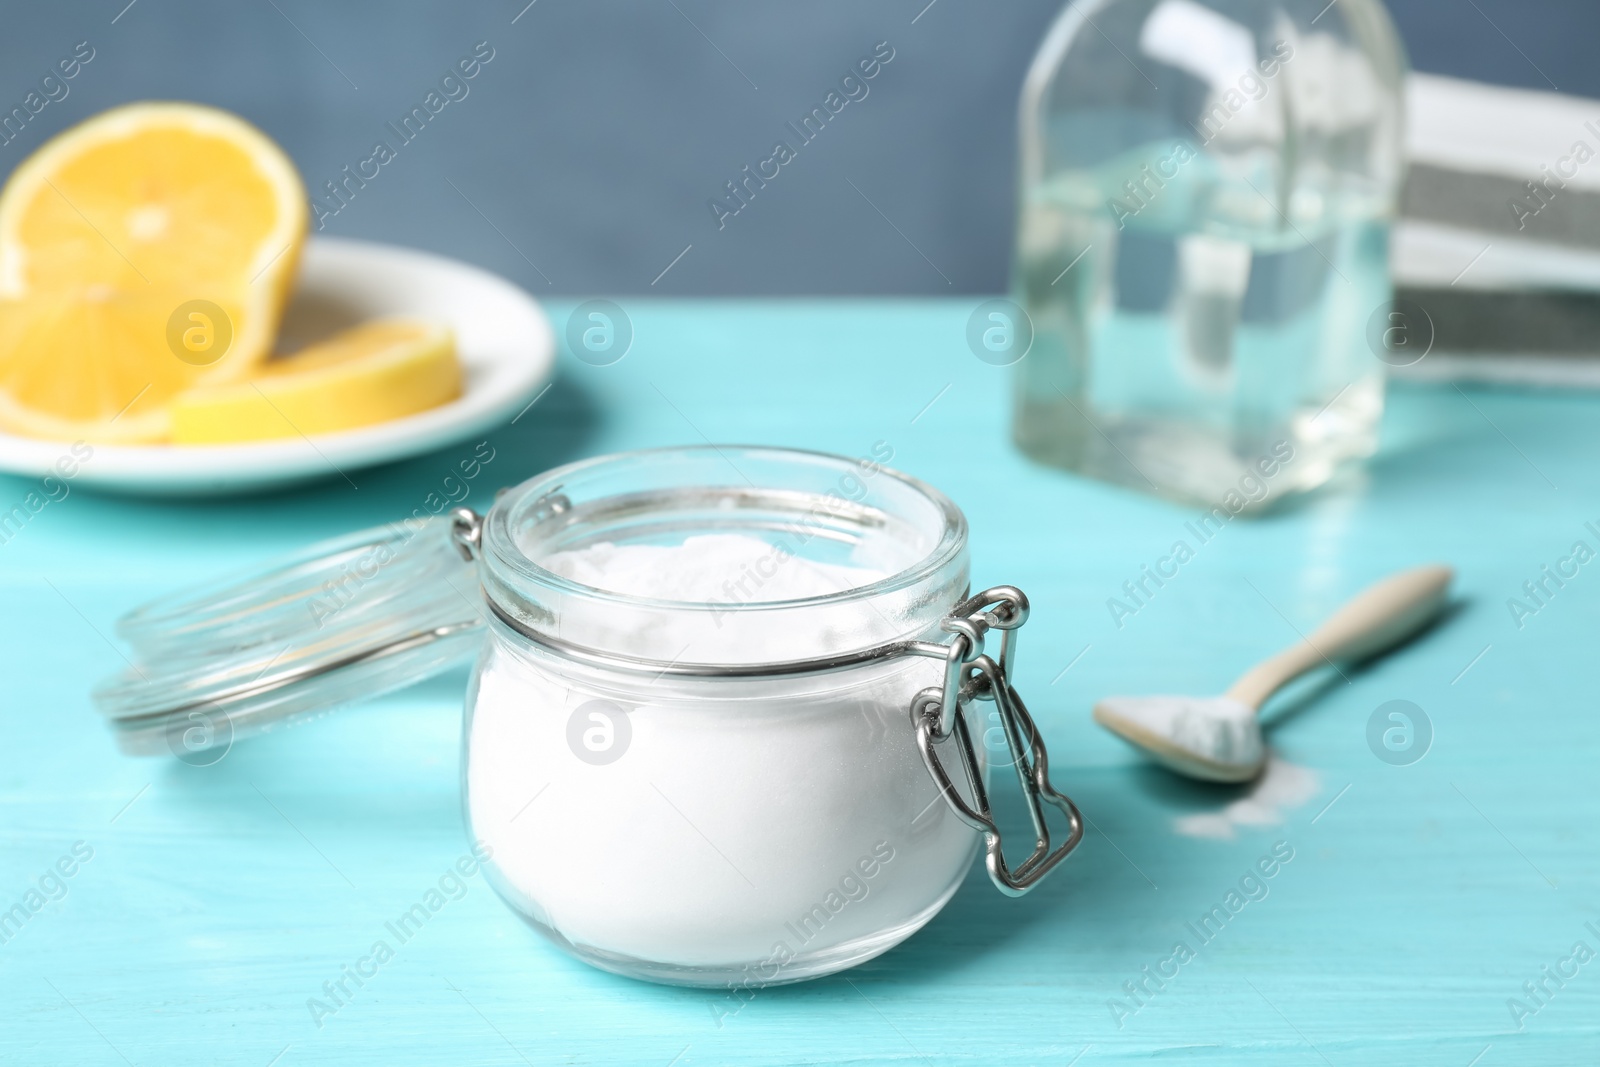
<point x="1206" y="191"/>
<point x="733" y="791"/>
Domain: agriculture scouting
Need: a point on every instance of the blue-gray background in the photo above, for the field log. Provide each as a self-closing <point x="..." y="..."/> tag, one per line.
<point x="594" y="138"/>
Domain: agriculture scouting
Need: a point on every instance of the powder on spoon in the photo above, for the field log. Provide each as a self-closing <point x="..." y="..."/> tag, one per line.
<point x="1217" y="729"/>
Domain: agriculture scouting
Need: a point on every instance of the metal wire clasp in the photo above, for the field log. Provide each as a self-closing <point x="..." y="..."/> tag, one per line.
<point x="466" y="525"/>
<point x="466" y="532"/>
<point x="971" y="674"/>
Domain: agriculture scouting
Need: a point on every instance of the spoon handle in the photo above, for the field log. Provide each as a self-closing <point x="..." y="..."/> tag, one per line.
<point x="1375" y="620"/>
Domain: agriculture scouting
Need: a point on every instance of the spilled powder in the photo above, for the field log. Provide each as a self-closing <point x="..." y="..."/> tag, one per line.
<point x="1282" y="787"/>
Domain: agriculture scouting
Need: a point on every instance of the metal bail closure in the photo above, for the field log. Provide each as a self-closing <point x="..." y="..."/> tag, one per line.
<point x="970" y="674"/>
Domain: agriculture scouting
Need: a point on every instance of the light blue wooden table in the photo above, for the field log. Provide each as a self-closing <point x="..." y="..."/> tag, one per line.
<point x="1418" y="901"/>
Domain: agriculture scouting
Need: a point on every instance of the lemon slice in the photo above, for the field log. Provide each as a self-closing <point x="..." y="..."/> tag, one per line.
<point x="372" y="373"/>
<point x="114" y="236"/>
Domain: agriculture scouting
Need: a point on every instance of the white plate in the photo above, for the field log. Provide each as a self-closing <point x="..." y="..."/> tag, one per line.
<point x="507" y="352"/>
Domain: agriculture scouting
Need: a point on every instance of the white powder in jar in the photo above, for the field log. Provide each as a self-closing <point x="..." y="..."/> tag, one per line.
<point x="771" y="827"/>
<point x="725" y="568"/>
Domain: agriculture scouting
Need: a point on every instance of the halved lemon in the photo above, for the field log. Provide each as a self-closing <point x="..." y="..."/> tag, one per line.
<point x="368" y="374"/>
<point x="100" y="365"/>
<point x="112" y="235"/>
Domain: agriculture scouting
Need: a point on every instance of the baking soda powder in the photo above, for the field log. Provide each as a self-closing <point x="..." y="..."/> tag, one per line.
<point x="757" y="826"/>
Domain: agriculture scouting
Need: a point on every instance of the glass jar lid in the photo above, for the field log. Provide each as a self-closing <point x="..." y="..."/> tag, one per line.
<point x="341" y="621"/>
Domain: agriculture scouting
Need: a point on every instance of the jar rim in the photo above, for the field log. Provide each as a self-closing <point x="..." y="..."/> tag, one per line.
<point x="500" y="548"/>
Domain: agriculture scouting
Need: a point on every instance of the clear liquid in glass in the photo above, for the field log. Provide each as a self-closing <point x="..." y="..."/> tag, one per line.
<point x="1202" y="243"/>
<point x="1181" y="357"/>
